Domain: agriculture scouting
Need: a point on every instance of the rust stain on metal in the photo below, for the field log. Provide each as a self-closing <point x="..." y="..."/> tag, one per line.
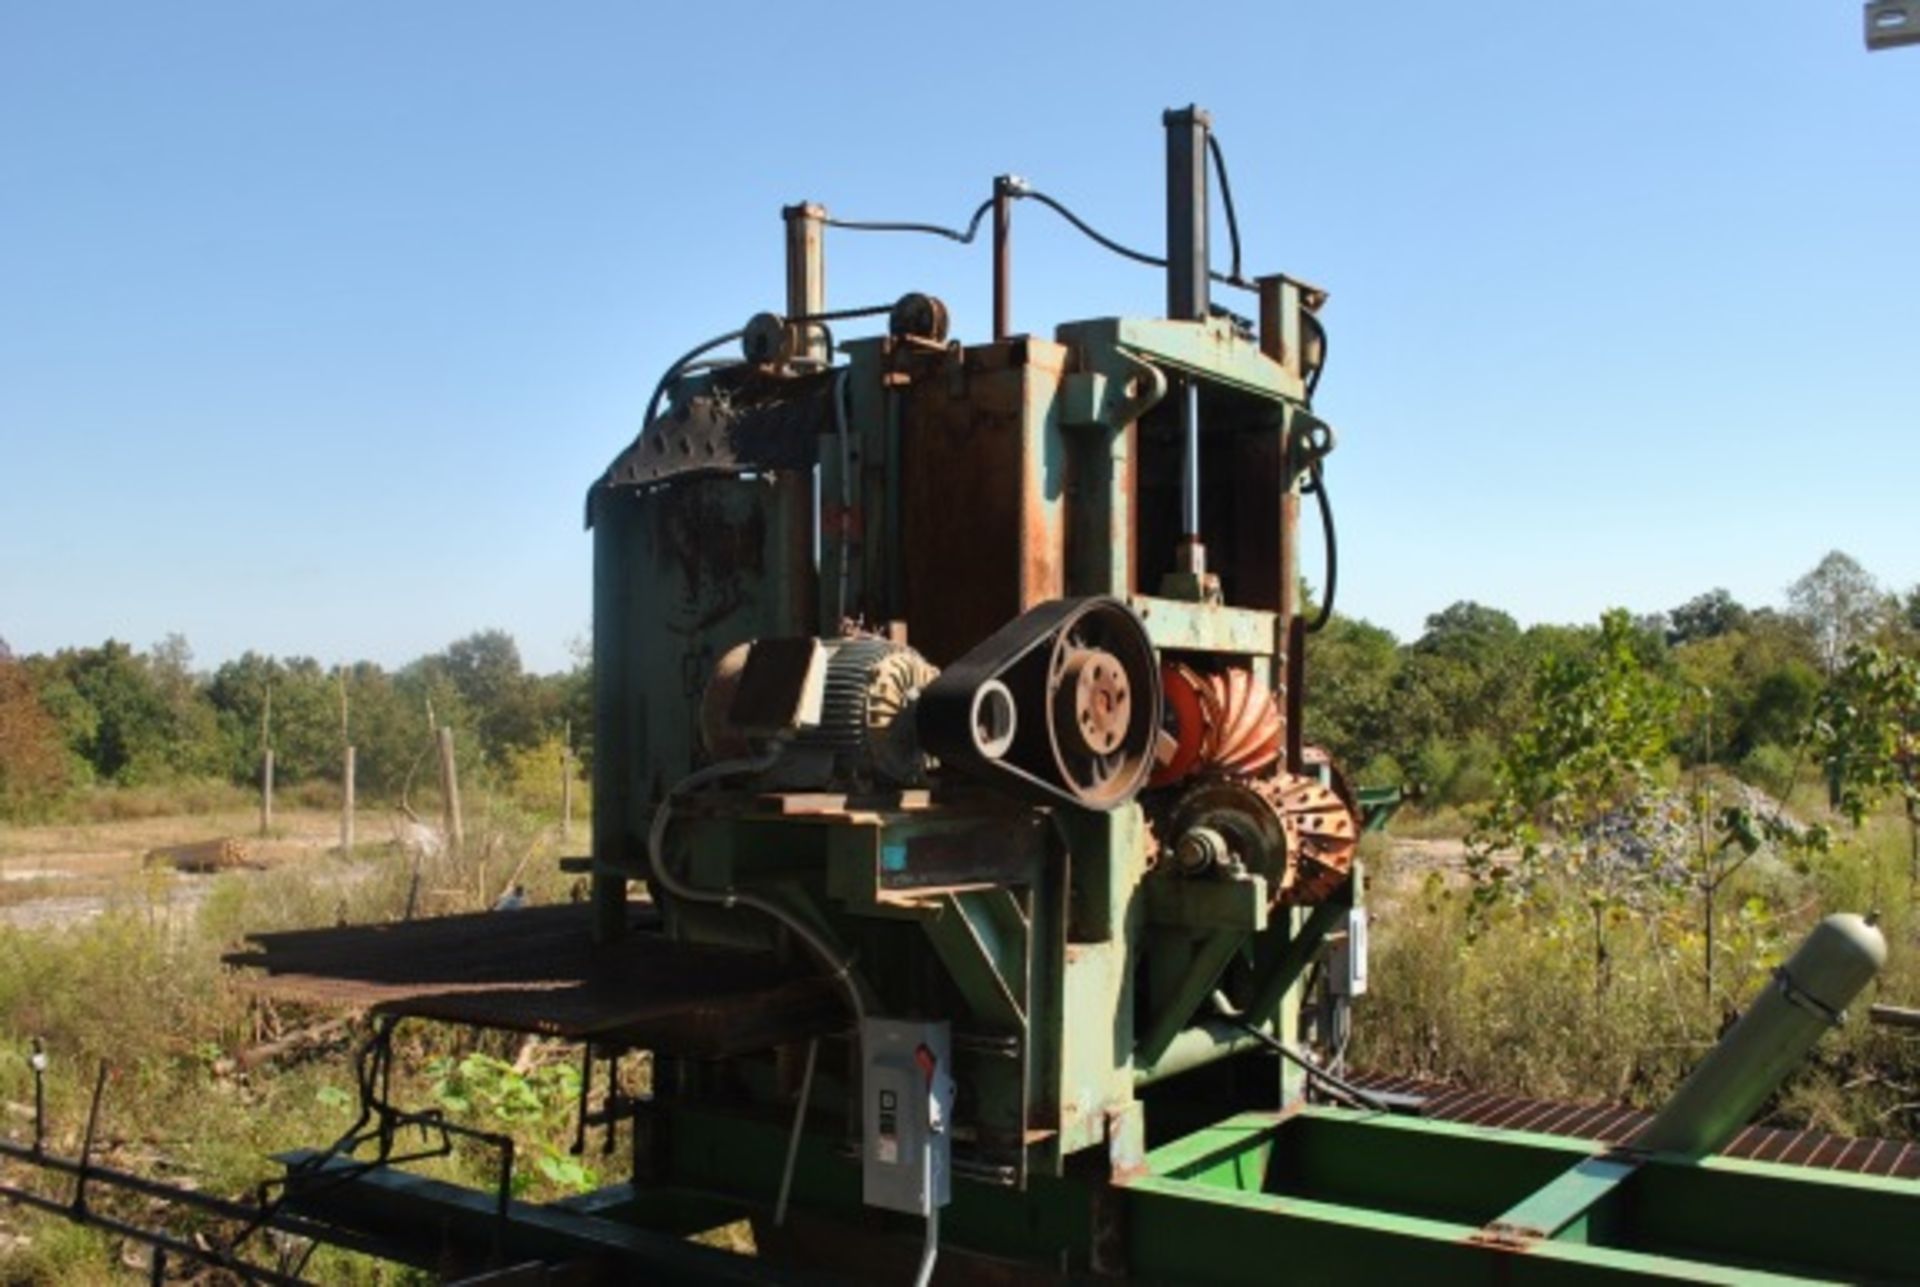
<point x="978" y="543"/>
<point x="1611" y="1124"/>
<point x="537" y="970"/>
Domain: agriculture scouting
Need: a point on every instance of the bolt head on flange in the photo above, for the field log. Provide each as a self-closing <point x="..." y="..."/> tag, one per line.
<point x="1096" y="700"/>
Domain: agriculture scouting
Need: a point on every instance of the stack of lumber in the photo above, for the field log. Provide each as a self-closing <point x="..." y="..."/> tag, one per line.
<point x="222" y="854"/>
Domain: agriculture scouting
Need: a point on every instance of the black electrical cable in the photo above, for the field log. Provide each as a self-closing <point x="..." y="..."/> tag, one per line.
<point x="1060" y="208"/>
<point x="842" y="314"/>
<point x="687" y="361"/>
<point x="1226" y="199"/>
<point x="679" y="367"/>
<point x="932" y="229"/>
<point x="1344" y="1088"/>
<point x="1319" y="490"/>
<point x="1319" y="329"/>
<point x="1125" y="252"/>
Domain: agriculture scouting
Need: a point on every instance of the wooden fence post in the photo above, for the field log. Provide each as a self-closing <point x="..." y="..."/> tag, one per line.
<point x="566" y="784"/>
<point x="346" y="804"/>
<point x="450" y="791"/>
<point x="266" y="762"/>
<point x="266" y="791"/>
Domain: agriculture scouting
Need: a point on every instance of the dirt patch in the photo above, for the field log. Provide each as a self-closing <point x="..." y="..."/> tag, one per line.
<point x="59" y="874"/>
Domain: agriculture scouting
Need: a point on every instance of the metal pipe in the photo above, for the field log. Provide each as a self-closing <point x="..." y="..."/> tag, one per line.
<point x="1315" y="1072"/>
<point x="843" y="526"/>
<point x="807" y="273"/>
<point x="1279" y="340"/>
<point x="1894" y="1016"/>
<point x="1190" y="462"/>
<point x="793" y="1139"/>
<point x="1187" y="262"/>
<point x="1188" y="275"/>
<point x="840" y="966"/>
<point x="1828" y="970"/>
<point x="930" y="1249"/>
<point x="1005" y="188"/>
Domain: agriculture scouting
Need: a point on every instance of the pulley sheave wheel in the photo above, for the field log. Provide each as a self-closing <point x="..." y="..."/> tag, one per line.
<point x="1060" y="705"/>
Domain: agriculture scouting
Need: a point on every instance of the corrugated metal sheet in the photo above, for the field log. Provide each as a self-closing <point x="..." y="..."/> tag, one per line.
<point x="1612" y="1124"/>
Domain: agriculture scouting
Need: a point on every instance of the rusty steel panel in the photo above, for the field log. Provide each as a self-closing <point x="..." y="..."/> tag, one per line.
<point x="1612" y="1124"/>
<point x="682" y="573"/>
<point x="537" y="970"/>
<point x="742" y="422"/>
<point x="982" y="498"/>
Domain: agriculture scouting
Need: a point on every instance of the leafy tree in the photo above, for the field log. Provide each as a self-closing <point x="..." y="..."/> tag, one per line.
<point x="509" y="707"/>
<point x="1600" y="724"/>
<point x="1351" y="710"/>
<point x="1746" y="689"/>
<point x="387" y="723"/>
<point x="198" y="750"/>
<point x="1777" y="711"/>
<point x="1466" y="674"/>
<point x="1840" y="603"/>
<point x="304" y="729"/>
<point x="1705" y="616"/>
<point x="1867" y="731"/>
<point x="130" y="718"/>
<point x="33" y="759"/>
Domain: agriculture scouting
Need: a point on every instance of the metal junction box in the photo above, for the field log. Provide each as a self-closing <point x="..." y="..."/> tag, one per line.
<point x="906" y="1162"/>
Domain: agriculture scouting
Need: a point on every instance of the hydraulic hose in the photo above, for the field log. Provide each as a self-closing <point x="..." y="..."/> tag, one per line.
<point x="680" y="367"/>
<point x="1319" y="490"/>
<point x="1226" y="201"/>
<point x="932" y="229"/>
<point x="839" y="966"/>
<point x="1065" y="212"/>
<point x="1339" y="1085"/>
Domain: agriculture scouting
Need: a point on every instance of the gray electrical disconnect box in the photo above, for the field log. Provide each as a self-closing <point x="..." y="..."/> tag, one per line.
<point x="1347" y="957"/>
<point x="907" y="1160"/>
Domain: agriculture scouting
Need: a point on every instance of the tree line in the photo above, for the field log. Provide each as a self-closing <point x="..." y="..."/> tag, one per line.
<point x="1440" y="710"/>
<point x="1740" y="684"/>
<point x="112" y="716"/>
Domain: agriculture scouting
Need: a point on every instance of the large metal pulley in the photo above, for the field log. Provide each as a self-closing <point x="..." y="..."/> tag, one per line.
<point x="1060" y="705"/>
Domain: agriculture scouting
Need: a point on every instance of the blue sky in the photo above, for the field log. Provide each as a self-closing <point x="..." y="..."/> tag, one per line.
<point x="316" y="320"/>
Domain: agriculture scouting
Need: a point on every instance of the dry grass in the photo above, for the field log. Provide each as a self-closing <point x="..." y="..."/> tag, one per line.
<point x="1512" y="999"/>
<point x="134" y="979"/>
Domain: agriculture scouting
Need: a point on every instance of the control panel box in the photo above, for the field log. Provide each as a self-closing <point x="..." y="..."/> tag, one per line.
<point x="907" y="1105"/>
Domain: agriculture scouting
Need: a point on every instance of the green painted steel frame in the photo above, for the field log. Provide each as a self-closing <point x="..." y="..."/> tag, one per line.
<point x="1341" y="1195"/>
<point x="1053" y="969"/>
<point x="1321" y="1195"/>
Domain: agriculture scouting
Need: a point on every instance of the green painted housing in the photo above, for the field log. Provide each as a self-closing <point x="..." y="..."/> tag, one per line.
<point x="940" y="490"/>
<point x="957" y="487"/>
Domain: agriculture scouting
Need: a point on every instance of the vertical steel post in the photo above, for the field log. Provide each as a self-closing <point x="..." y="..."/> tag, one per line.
<point x="1280" y="340"/>
<point x="1187" y="262"/>
<point x="1187" y="298"/>
<point x="807" y="274"/>
<point x="1003" y="188"/>
<point x="797" y="503"/>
